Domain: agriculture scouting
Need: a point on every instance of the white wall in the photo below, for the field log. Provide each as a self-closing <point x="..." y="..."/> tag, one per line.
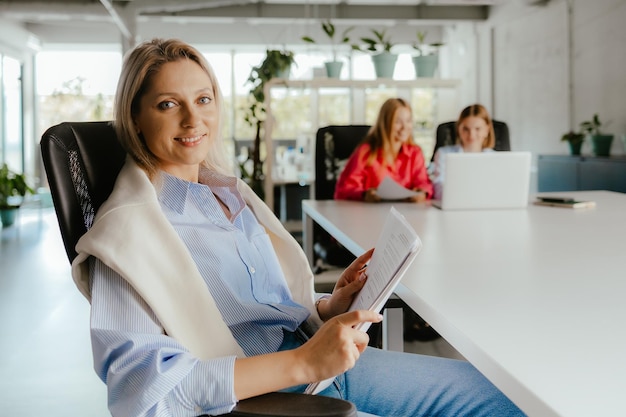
<point x="459" y="61"/>
<point x="544" y="69"/>
<point x="15" y="40"/>
<point x="599" y="67"/>
<point x="533" y="65"/>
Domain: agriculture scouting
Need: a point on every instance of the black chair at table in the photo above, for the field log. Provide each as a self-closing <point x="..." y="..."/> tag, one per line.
<point x="82" y="161"/>
<point x="446" y="135"/>
<point x="333" y="146"/>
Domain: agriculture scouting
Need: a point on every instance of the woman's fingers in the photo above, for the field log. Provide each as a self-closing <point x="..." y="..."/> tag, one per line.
<point x="362" y="260"/>
<point x="337" y="345"/>
<point x="352" y="318"/>
<point x="356" y="267"/>
<point x="349" y="284"/>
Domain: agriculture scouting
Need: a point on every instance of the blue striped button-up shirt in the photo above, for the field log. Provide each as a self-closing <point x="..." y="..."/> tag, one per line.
<point x="148" y="373"/>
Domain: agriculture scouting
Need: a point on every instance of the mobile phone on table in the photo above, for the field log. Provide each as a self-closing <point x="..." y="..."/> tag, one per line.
<point x="555" y="199"/>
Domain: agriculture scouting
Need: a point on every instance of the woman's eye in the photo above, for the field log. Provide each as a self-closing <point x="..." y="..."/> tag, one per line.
<point x="164" y="105"/>
<point x="206" y="100"/>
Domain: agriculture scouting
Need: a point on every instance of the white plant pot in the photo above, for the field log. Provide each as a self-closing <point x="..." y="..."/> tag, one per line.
<point x="333" y="69"/>
<point x="425" y="65"/>
<point x="384" y="64"/>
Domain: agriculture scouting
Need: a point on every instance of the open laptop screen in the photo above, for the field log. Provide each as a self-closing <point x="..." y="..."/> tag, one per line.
<point x="487" y="180"/>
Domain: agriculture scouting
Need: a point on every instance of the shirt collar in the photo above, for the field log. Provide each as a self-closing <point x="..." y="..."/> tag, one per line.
<point x="173" y="191"/>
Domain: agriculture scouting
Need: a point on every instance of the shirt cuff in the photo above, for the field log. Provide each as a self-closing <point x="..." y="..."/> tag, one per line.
<point x="208" y="389"/>
<point x="321" y="297"/>
<point x="319" y="300"/>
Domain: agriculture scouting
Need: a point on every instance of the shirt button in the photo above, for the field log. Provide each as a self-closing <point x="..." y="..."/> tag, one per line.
<point x="198" y="409"/>
<point x="252" y="270"/>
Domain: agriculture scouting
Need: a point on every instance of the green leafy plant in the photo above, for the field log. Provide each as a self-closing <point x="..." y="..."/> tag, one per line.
<point x="591" y="127"/>
<point x="380" y="42"/>
<point x="588" y="127"/>
<point x="274" y="65"/>
<point x="12" y="184"/>
<point x="600" y="141"/>
<point x="421" y="47"/>
<point x="573" y="137"/>
<point x="330" y="30"/>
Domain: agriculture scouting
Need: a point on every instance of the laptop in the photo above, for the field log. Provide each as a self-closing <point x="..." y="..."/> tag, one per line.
<point x="486" y="180"/>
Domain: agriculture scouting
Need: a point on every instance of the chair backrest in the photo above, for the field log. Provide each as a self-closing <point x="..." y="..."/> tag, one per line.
<point x="82" y="161"/>
<point x="333" y="146"/>
<point x="446" y="135"/>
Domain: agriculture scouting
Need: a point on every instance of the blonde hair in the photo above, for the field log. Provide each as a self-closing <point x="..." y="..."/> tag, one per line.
<point x="379" y="135"/>
<point x="477" y="110"/>
<point x="140" y="64"/>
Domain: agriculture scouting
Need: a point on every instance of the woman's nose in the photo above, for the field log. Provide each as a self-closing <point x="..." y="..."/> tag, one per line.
<point x="190" y="116"/>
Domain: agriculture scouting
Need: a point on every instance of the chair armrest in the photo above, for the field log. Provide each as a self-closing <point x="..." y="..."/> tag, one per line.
<point x="282" y="404"/>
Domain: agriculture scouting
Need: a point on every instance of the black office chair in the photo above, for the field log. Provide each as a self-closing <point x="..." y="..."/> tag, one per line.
<point x="82" y="161"/>
<point x="333" y="146"/>
<point x="446" y="135"/>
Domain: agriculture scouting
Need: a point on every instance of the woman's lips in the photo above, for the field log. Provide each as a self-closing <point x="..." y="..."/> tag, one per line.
<point x="189" y="140"/>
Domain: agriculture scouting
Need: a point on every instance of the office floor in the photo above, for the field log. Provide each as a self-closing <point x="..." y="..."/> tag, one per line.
<point x="46" y="368"/>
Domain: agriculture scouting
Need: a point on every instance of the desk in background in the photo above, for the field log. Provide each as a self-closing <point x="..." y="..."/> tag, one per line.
<point x="535" y="298"/>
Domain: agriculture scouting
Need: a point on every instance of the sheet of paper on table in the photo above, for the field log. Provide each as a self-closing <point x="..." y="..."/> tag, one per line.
<point x="389" y="189"/>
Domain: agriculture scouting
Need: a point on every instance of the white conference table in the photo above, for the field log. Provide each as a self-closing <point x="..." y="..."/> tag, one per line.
<point x="534" y="298"/>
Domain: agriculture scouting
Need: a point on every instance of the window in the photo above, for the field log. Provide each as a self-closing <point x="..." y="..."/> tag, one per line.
<point x="11" y="139"/>
<point x="80" y="88"/>
<point x="79" y="85"/>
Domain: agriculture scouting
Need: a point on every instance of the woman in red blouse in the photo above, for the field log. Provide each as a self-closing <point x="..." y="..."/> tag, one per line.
<point x="387" y="150"/>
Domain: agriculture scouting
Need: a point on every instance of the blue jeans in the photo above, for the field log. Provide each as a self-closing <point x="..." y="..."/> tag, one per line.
<point x="386" y="384"/>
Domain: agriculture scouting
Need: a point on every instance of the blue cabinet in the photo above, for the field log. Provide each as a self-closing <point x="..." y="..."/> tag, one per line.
<point x="579" y="173"/>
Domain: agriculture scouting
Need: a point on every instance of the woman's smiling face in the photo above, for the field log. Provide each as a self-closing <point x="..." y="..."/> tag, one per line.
<point x="178" y="117"/>
<point x="402" y="125"/>
<point x="473" y="132"/>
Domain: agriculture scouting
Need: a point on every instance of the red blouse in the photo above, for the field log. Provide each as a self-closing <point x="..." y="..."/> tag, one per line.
<point x="358" y="176"/>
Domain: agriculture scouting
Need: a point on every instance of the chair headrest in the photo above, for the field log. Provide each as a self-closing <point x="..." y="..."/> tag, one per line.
<point x="82" y="161"/>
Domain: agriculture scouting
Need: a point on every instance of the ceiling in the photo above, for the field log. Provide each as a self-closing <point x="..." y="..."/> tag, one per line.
<point x="232" y="21"/>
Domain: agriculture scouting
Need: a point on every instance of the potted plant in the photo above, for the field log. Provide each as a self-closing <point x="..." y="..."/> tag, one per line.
<point x="600" y="142"/>
<point x="427" y="58"/>
<point x="380" y="47"/>
<point x="575" y="140"/>
<point x="333" y="68"/>
<point x="276" y="64"/>
<point x="13" y="188"/>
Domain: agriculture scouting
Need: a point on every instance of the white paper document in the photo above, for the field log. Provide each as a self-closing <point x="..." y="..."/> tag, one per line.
<point x="388" y="189"/>
<point x="396" y="248"/>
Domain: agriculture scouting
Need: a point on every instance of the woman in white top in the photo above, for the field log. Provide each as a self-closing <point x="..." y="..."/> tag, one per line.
<point x="474" y="134"/>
